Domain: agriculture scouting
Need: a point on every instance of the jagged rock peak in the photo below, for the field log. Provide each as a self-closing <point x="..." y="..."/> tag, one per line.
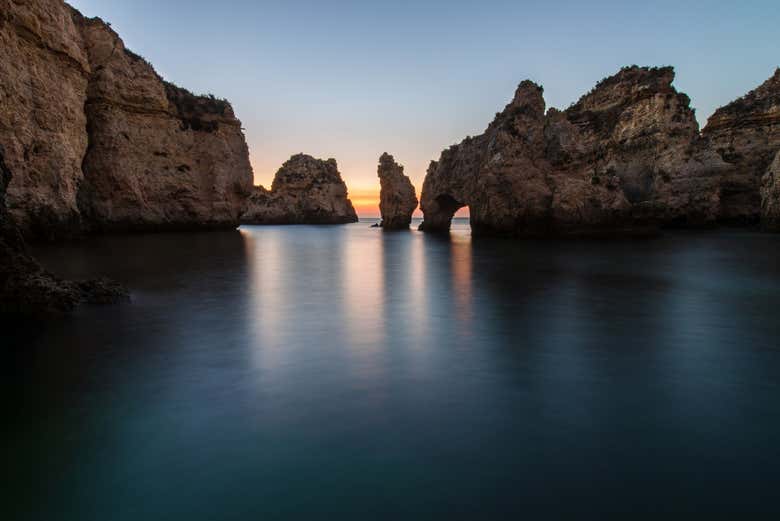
<point x="624" y="157"/>
<point x="397" y="198"/>
<point x="529" y="94"/>
<point x="305" y="190"/>
<point x="302" y="171"/>
<point x="760" y="106"/>
<point x="746" y="135"/>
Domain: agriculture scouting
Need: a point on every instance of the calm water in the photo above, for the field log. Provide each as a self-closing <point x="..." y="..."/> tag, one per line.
<point x="343" y="373"/>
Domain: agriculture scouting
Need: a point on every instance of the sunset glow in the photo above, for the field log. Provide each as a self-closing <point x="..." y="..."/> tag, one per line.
<point x="361" y="79"/>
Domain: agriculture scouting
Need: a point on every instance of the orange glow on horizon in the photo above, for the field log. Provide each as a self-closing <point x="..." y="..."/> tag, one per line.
<point x="366" y="203"/>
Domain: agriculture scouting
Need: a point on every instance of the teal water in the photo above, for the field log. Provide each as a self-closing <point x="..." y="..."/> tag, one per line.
<point x="345" y="373"/>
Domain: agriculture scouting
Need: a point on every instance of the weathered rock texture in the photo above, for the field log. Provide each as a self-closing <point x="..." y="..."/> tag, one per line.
<point x="397" y="199"/>
<point x="25" y="287"/>
<point x="305" y="190"/>
<point x="746" y="134"/>
<point x="770" y="197"/>
<point x="97" y="140"/>
<point x="627" y="157"/>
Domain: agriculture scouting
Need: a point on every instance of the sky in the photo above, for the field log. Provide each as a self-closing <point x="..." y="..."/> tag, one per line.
<point x="353" y="79"/>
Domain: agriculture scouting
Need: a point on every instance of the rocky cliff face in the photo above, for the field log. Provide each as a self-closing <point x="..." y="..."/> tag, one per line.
<point x="627" y="157"/>
<point x="97" y="140"/>
<point x="43" y="83"/>
<point x="522" y="176"/>
<point x="305" y="190"/>
<point x="770" y="197"/>
<point x="397" y="199"/>
<point x="25" y="287"/>
<point x="746" y="135"/>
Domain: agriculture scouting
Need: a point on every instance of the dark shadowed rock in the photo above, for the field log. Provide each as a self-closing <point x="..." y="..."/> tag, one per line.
<point x="770" y="197"/>
<point x="746" y="135"/>
<point x="397" y="199"/>
<point x="25" y="287"/>
<point x="305" y="190"/>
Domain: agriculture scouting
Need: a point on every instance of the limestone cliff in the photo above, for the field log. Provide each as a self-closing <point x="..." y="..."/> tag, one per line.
<point x="43" y="84"/>
<point x="97" y="140"/>
<point x="397" y="199"/>
<point x="305" y="190"/>
<point x="521" y="177"/>
<point x="770" y="197"/>
<point x="746" y="134"/>
<point x="627" y="157"/>
<point x="25" y="287"/>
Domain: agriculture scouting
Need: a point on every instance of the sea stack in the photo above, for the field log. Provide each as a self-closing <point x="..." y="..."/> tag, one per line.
<point x="98" y="141"/>
<point x="305" y="190"/>
<point x="397" y="199"/>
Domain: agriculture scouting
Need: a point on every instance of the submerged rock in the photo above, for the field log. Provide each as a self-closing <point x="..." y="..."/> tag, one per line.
<point x="305" y="190"/>
<point x="770" y="197"/>
<point x="97" y="140"/>
<point x="626" y="158"/>
<point x="397" y="199"/>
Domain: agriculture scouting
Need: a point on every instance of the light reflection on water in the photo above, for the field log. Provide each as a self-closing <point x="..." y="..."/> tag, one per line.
<point x="287" y="372"/>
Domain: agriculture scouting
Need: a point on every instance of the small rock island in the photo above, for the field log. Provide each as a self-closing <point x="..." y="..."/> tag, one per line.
<point x="305" y="190"/>
<point x="397" y="199"/>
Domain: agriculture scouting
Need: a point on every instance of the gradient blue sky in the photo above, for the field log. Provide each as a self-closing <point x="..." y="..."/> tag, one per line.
<point x="352" y="79"/>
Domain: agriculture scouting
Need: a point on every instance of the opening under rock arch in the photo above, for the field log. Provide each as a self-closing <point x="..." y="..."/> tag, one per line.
<point x="438" y="216"/>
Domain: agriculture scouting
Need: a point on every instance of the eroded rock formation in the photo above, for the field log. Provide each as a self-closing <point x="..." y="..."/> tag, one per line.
<point x="397" y="199"/>
<point x="96" y="139"/>
<point x="746" y="134"/>
<point x="627" y="157"/>
<point x="25" y="287"/>
<point x="305" y="190"/>
<point x="770" y="197"/>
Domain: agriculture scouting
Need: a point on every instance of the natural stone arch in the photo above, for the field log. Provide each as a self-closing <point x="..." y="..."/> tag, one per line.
<point x="439" y="211"/>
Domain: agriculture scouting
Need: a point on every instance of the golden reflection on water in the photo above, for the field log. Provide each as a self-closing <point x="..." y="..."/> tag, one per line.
<point x="268" y="296"/>
<point x="352" y="282"/>
<point x="363" y="276"/>
<point x="461" y="267"/>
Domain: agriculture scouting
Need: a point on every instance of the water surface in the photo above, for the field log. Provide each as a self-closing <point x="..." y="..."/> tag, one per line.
<point x="345" y="373"/>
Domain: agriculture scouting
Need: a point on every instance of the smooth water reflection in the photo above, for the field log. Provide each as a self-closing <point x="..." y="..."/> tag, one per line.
<point x="342" y="372"/>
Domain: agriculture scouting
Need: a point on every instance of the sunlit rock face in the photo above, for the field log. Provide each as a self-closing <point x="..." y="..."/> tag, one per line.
<point x="44" y="73"/>
<point x="305" y="190"/>
<point x="25" y="287"/>
<point x="746" y="135"/>
<point x="397" y="198"/>
<point x="627" y="157"/>
<point x="770" y="197"/>
<point x="97" y="140"/>
<point x="158" y="155"/>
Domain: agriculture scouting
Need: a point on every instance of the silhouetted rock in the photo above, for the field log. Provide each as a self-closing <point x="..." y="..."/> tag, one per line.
<point x="305" y="190"/>
<point x="397" y="200"/>
<point x="97" y="140"/>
